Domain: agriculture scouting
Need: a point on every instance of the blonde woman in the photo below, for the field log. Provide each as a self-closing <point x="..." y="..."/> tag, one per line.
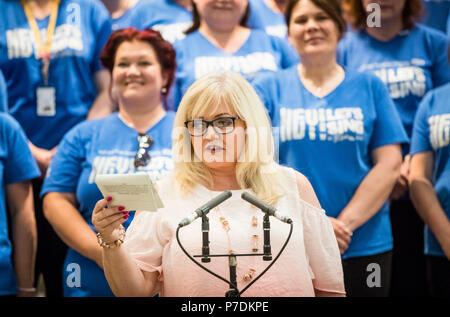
<point x="222" y="141"/>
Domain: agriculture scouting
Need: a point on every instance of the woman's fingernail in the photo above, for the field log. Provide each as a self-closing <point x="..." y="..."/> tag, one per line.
<point x="126" y="217"/>
<point x="109" y="199"/>
<point x="125" y="212"/>
<point x="121" y="208"/>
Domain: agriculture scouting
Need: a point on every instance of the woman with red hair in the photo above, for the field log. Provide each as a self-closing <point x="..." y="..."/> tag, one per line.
<point x="134" y="139"/>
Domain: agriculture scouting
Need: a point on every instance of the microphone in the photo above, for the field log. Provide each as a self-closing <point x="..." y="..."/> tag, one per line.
<point x="271" y="210"/>
<point x="203" y="210"/>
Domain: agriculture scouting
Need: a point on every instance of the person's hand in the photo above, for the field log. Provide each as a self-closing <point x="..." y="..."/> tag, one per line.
<point x="342" y="233"/>
<point x="107" y="219"/>
<point x="401" y="186"/>
<point x="43" y="157"/>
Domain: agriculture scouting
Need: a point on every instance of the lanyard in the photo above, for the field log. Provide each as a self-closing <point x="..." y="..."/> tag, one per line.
<point x="43" y="49"/>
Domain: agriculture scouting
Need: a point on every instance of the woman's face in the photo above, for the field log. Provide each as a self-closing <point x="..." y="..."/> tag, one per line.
<point x="390" y="9"/>
<point x="311" y="30"/>
<point x="223" y="14"/>
<point x="218" y="150"/>
<point x="137" y="72"/>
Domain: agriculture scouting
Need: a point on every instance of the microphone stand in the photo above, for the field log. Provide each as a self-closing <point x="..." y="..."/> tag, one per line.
<point x="232" y="261"/>
<point x="205" y="240"/>
<point x="267" y="248"/>
<point x="233" y="291"/>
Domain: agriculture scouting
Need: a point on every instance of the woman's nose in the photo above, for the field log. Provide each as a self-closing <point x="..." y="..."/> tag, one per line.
<point x="133" y="69"/>
<point x="210" y="133"/>
<point x="312" y="25"/>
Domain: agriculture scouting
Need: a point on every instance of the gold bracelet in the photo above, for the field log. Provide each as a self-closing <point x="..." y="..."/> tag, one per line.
<point x="114" y="244"/>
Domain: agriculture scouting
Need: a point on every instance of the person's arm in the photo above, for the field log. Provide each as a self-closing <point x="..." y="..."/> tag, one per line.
<point x="103" y="104"/>
<point x="375" y="188"/>
<point x="123" y="275"/>
<point x="61" y="212"/>
<point x="43" y="157"/>
<point x="24" y="233"/>
<point x="425" y="199"/>
<point x="306" y="192"/>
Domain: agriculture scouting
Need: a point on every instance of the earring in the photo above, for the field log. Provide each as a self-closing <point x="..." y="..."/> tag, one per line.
<point x="163" y="90"/>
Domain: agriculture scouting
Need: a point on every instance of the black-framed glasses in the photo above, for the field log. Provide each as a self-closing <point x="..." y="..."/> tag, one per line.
<point x="142" y="156"/>
<point x="222" y="125"/>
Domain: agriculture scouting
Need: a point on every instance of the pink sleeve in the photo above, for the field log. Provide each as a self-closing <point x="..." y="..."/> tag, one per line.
<point x="143" y="241"/>
<point x="322" y="250"/>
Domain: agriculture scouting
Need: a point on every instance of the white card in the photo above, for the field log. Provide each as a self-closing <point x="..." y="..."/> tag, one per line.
<point x="133" y="191"/>
<point x="46" y="104"/>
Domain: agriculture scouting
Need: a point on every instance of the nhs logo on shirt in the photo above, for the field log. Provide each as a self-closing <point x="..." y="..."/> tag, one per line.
<point x="21" y="42"/>
<point x="122" y="162"/>
<point x="439" y="130"/>
<point x="246" y="64"/>
<point x="324" y="124"/>
<point x="401" y="78"/>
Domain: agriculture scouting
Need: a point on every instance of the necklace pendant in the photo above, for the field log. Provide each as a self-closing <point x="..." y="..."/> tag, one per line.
<point x="255" y="240"/>
<point x="254" y="221"/>
<point x="247" y="277"/>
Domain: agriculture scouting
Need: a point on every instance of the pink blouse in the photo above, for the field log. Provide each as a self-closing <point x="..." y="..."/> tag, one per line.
<point x="310" y="261"/>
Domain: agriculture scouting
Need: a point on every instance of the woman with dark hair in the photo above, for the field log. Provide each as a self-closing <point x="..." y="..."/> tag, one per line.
<point x="134" y="139"/>
<point x="340" y="129"/>
<point x="220" y="40"/>
<point x="410" y="59"/>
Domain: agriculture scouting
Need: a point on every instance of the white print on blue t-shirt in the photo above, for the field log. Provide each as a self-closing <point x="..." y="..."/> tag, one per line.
<point x="277" y="30"/>
<point x="247" y="64"/>
<point x="401" y="78"/>
<point x="326" y="124"/>
<point x="439" y="130"/>
<point x="172" y="32"/>
<point x="123" y="163"/>
<point x="21" y="42"/>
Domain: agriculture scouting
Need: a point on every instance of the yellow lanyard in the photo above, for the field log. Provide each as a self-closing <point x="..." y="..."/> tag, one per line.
<point x="43" y="49"/>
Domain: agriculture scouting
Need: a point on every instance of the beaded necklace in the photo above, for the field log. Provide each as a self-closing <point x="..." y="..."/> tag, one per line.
<point x="254" y="240"/>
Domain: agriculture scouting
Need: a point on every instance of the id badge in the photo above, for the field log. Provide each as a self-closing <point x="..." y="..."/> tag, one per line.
<point x="46" y="105"/>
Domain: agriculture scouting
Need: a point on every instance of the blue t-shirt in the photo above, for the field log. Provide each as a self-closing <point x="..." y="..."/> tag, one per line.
<point x="436" y="13"/>
<point x="432" y="133"/>
<point x="94" y="147"/>
<point x="330" y="140"/>
<point x="16" y="165"/>
<point x="264" y="18"/>
<point x="126" y="19"/>
<point x="197" y="56"/>
<point x="165" y="16"/>
<point x="82" y="28"/>
<point x="410" y="64"/>
<point x="3" y="94"/>
<point x="448" y="25"/>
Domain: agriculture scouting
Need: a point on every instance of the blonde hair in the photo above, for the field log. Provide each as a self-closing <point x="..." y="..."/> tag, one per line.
<point x="255" y="169"/>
